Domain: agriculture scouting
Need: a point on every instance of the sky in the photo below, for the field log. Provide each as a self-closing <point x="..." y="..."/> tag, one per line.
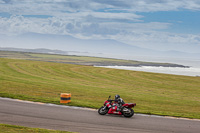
<point x="154" y="24"/>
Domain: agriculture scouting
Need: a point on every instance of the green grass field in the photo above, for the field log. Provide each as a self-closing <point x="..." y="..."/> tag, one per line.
<point x="5" y="128"/>
<point x="160" y="94"/>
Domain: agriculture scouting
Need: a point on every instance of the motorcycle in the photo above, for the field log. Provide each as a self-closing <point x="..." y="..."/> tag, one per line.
<point x="112" y="107"/>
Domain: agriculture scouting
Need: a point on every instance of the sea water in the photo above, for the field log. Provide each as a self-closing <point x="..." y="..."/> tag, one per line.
<point x="192" y="70"/>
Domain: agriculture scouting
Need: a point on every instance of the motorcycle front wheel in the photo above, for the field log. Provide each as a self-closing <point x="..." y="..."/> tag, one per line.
<point x="128" y="112"/>
<point x="103" y="111"/>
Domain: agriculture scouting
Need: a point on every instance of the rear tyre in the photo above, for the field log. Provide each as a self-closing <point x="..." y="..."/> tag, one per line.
<point x="128" y="112"/>
<point x="103" y="111"/>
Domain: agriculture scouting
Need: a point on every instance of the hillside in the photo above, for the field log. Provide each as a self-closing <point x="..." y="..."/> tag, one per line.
<point x="100" y="47"/>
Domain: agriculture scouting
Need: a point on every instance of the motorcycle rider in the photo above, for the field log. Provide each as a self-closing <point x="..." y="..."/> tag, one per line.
<point x="119" y="102"/>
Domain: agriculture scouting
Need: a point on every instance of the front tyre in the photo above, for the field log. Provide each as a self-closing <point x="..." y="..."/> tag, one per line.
<point x="103" y="110"/>
<point x="128" y="112"/>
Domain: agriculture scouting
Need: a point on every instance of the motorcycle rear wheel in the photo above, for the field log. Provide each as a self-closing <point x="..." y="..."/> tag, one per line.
<point x="103" y="111"/>
<point x="128" y="113"/>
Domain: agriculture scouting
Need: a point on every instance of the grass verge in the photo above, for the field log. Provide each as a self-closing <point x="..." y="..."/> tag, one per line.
<point x="5" y="128"/>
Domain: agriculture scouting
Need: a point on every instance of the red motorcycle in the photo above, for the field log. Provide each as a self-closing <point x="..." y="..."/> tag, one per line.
<point x="112" y="107"/>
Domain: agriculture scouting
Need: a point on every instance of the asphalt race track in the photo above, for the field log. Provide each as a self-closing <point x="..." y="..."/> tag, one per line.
<point x="74" y="119"/>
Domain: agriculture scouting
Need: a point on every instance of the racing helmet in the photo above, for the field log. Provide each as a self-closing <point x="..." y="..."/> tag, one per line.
<point x="117" y="97"/>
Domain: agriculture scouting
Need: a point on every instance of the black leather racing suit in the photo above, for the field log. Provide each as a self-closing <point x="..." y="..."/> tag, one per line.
<point x="120" y="102"/>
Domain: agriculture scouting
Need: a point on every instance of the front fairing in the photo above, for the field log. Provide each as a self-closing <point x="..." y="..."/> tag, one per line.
<point x="107" y="104"/>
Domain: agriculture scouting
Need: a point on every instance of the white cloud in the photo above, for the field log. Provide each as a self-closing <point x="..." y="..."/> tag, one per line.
<point x="69" y="24"/>
<point x="162" y="41"/>
<point x="140" y="34"/>
<point x="97" y="19"/>
<point x="56" y="7"/>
